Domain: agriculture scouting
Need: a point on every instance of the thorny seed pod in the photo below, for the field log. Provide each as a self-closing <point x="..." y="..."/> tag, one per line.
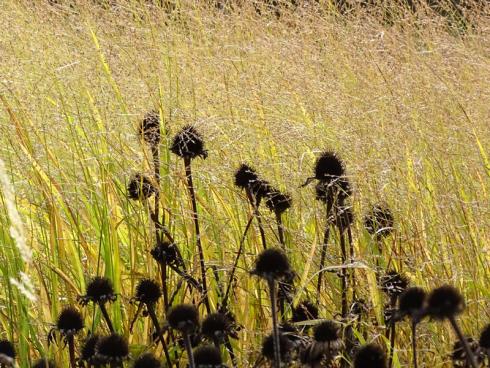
<point x="140" y="187"/>
<point x="112" y="349"/>
<point x="379" y="222"/>
<point x="207" y="356"/>
<point x="272" y="264"/>
<point x="445" y="302"/>
<point x="370" y="356"/>
<point x="278" y="202"/>
<point x="412" y="302"/>
<point x="184" y="318"/>
<point x="147" y="360"/>
<point x="218" y="326"/>
<point x="305" y="311"/>
<point x="149" y="128"/>
<point x="188" y="143"/>
<point x="285" y="347"/>
<point x="329" y="167"/>
<point x="165" y="252"/>
<point x="458" y="355"/>
<point x="69" y="322"/>
<point x="99" y="290"/>
<point x="7" y="353"/>
<point x="148" y="292"/>
<point x="245" y="177"/>
<point x="393" y="283"/>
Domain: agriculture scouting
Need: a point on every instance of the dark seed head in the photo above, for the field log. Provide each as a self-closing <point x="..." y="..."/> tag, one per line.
<point x="393" y="284"/>
<point x="147" y="360"/>
<point x="216" y="325"/>
<point x="334" y="192"/>
<point x="207" y="356"/>
<point x="278" y="202"/>
<point x="379" y="222"/>
<point x="184" y="318"/>
<point x="285" y="347"/>
<point x="112" y="349"/>
<point x="7" y="352"/>
<point x="99" y="290"/>
<point x="245" y="176"/>
<point x="87" y="353"/>
<point x="148" y="292"/>
<point x="150" y="128"/>
<point x="44" y="363"/>
<point x="485" y="337"/>
<point x="70" y="322"/>
<point x="140" y="187"/>
<point x="272" y="264"/>
<point x="305" y="311"/>
<point x="370" y="356"/>
<point x="326" y="331"/>
<point x="329" y="167"/>
<point x="261" y="189"/>
<point x="458" y="354"/>
<point x="188" y="143"/>
<point x="445" y="302"/>
<point x="412" y="302"/>
<point x="165" y="252"/>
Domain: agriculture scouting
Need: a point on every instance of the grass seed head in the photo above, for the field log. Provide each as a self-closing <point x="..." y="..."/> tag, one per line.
<point x="207" y="356"/>
<point x="370" y="356"/>
<point x="445" y="302"/>
<point x="272" y="264"/>
<point x="188" y="143"/>
<point x="184" y="318"/>
<point x="148" y="292"/>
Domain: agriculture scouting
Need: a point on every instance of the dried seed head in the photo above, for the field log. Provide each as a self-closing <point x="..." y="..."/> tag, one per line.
<point x="329" y="167"/>
<point x="217" y="326"/>
<point x="412" y="302"/>
<point x="147" y="360"/>
<point x="70" y="322"/>
<point x="165" y="252"/>
<point x="184" y="318"/>
<point x="188" y="143"/>
<point x="245" y="176"/>
<point x="260" y="190"/>
<point x="485" y="338"/>
<point x="333" y="193"/>
<point x="445" y="302"/>
<point x="285" y="347"/>
<point x="458" y="354"/>
<point x="272" y="264"/>
<point x="140" y="187"/>
<point x="370" y="356"/>
<point x="87" y="353"/>
<point x="7" y="353"/>
<point x="393" y="283"/>
<point x="112" y="349"/>
<point x="99" y="290"/>
<point x="148" y="292"/>
<point x="149" y="128"/>
<point x="326" y="331"/>
<point x="44" y="363"/>
<point x="278" y="202"/>
<point x="305" y="311"/>
<point x="379" y="222"/>
<point x="207" y="356"/>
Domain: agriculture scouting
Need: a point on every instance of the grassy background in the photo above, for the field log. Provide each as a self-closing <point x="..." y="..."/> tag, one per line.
<point x="405" y="105"/>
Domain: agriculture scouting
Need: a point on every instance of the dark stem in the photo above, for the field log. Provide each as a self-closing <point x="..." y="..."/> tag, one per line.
<point x="229" y="348"/>
<point x="323" y="255"/>
<point x="255" y="207"/>
<point x="392" y="344"/>
<point x="106" y="316"/>
<point x="352" y="255"/>
<point x="188" y="347"/>
<point x="280" y="230"/>
<point x="156" y="167"/>
<point x="224" y="302"/>
<point x="469" y="354"/>
<point x="71" y="348"/>
<point x="343" y="273"/>
<point x="163" y="273"/>
<point x="190" y="185"/>
<point x="154" y="319"/>
<point x="275" y="330"/>
<point x="414" y="343"/>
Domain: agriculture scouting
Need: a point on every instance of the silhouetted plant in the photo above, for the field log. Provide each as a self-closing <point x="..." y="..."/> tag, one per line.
<point x="304" y="311"/>
<point x="44" y="363"/>
<point x="100" y="291"/>
<point x="112" y="350"/>
<point x="7" y="353"/>
<point x="185" y="319"/>
<point x="141" y="187"/>
<point x="325" y="346"/>
<point x="272" y="265"/>
<point x="379" y="223"/>
<point x="484" y="340"/>
<point x="147" y="360"/>
<point x="207" y="356"/>
<point x="446" y="302"/>
<point x="370" y="356"/>
<point x="219" y="327"/>
<point x="458" y="355"/>
<point x="189" y="144"/>
<point x="87" y="353"/>
<point x="69" y="324"/>
<point x="269" y="350"/>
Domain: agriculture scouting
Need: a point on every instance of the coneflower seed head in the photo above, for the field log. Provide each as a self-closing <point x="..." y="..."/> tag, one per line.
<point x="305" y="311"/>
<point x="485" y="338"/>
<point x="328" y="167"/>
<point x="245" y="176"/>
<point x="99" y="290"/>
<point x="184" y="318"/>
<point x="379" y="221"/>
<point x="112" y="349"/>
<point x="148" y="292"/>
<point x="445" y="302"/>
<point x="370" y="356"/>
<point x="412" y="302"/>
<point x="278" y="202"/>
<point x="207" y="356"/>
<point x="326" y="331"/>
<point x="69" y="322"/>
<point x="393" y="283"/>
<point x="150" y="128"/>
<point x="285" y="347"/>
<point x="147" y="360"/>
<point x="272" y="263"/>
<point x="140" y="187"/>
<point x="44" y="363"/>
<point x="188" y="143"/>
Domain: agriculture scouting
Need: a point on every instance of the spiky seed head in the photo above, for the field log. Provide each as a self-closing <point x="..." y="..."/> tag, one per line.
<point x="445" y="302"/>
<point x="215" y="325"/>
<point x="188" y="143"/>
<point x="148" y="292"/>
<point x="370" y="356"/>
<point x="87" y="353"/>
<point x="260" y="190"/>
<point x="285" y="347"/>
<point x="184" y="318"/>
<point x="379" y="222"/>
<point x="329" y="167"/>
<point x="485" y="338"/>
<point x="272" y="264"/>
<point x="112" y="349"/>
<point x="458" y="354"/>
<point x="326" y="331"/>
<point x="333" y="193"/>
<point x="358" y="307"/>
<point x="69" y="322"/>
<point x="7" y="353"/>
<point x="412" y="302"/>
<point x="278" y="202"/>
<point x="207" y="356"/>
<point x="140" y="187"/>
<point x="44" y="363"/>
<point x="147" y="360"/>
<point x="165" y="252"/>
<point x="393" y="283"/>
<point x="305" y="311"/>
<point x="99" y="290"/>
<point x="149" y="128"/>
<point x="245" y="176"/>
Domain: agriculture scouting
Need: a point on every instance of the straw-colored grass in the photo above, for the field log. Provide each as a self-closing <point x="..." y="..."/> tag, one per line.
<point x="407" y="106"/>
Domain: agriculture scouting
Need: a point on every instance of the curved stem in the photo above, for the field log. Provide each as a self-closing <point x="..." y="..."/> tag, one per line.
<point x="154" y="319"/>
<point x="190" y="185"/>
<point x="188" y="347"/>
<point x="469" y="354"/>
<point x="275" y="330"/>
<point x="106" y="317"/>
